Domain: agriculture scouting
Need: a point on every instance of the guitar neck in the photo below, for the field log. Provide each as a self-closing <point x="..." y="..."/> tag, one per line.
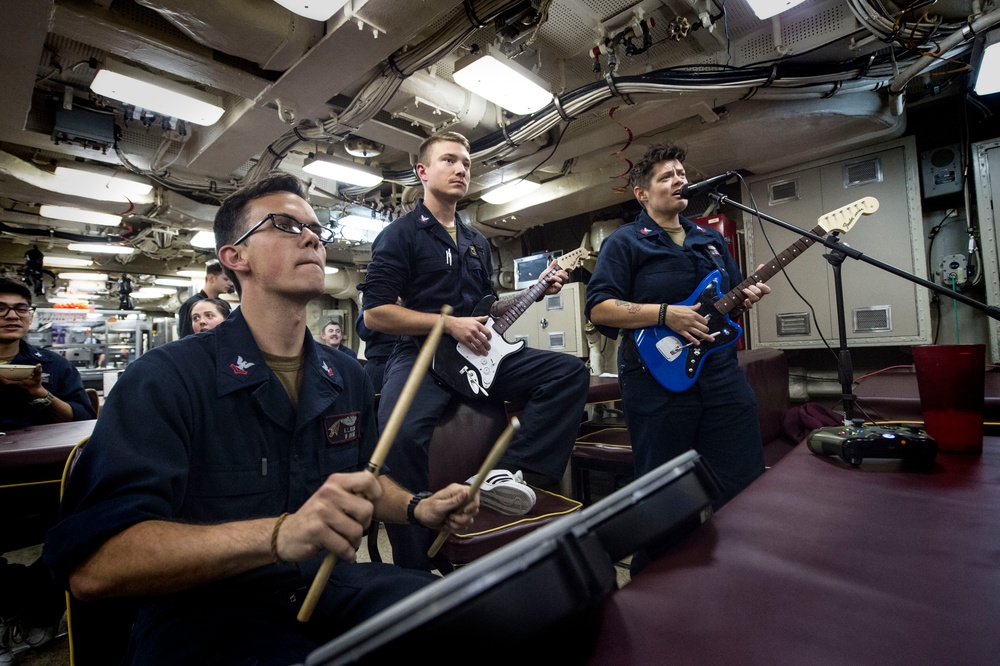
<point x="735" y="297"/>
<point x="521" y="305"/>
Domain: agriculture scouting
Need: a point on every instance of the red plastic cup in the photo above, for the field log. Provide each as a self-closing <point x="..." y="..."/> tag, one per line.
<point x="951" y="380"/>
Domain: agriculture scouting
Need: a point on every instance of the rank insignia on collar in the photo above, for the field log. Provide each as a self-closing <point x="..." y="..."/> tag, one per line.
<point x="645" y="232"/>
<point x="472" y="251"/>
<point x="699" y="228"/>
<point x="424" y="218"/>
<point x="241" y="366"/>
<point x="328" y="369"/>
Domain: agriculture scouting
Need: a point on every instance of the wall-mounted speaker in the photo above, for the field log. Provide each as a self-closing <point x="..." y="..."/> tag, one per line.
<point x="941" y="171"/>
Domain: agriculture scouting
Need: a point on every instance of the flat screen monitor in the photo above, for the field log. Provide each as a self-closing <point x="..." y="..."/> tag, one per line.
<point x="545" y="588"/>
<point x="528" y="269"/>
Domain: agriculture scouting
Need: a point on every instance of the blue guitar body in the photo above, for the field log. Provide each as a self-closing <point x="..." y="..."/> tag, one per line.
<point x="672" y="361"/>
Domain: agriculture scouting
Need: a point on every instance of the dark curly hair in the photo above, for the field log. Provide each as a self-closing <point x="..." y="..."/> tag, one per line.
<point x="641" y="174"/>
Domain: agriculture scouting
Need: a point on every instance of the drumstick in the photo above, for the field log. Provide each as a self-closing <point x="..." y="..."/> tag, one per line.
<point x="392" y="426"/>
<point x="491" y="461"/>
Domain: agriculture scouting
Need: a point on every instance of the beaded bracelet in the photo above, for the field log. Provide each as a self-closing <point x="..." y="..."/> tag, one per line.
<point x="662" y="319"/>
<point x="274" y="539"/>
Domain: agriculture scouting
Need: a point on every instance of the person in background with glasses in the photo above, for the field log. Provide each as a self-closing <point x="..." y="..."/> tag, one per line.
<point x="54" y="392"/>
<point x="226" y="465"/>
<point x="31" y="604"/>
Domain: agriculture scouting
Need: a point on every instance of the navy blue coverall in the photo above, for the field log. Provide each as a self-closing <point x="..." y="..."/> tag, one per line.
<point x="415" y="258"/>
<point x="201" y="431"/>
<point x="378" y="348"/>
<point x="58" y="376"/>
<point x="717" y="416"/>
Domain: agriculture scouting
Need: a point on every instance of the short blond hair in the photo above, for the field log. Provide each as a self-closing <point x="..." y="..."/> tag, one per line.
<point x="440" y="137"/>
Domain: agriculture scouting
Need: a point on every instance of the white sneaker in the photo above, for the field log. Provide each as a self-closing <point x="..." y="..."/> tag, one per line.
<point x="506" y="493"/>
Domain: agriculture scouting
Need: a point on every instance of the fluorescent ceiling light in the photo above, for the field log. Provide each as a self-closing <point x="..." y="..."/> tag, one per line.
<point x="173" y="282"/>
<point x="65" y="262"/>
<point x="91" y="277"/>
<point x="501" y="81"/>
<point x="765" y="9"/>
<point x="362" y="222"/>
<point x="86" y="180"/>
<point x="203" y="239"/>
<point x="510" y="191"/>
<point x="358" y="234"/>
<point x="100" y="248"/>
<point x="156" y="93"/>
<point x="161" y="291"/>
<point x="192" y="274"/>
<point x="79" y="215"/>
<point x="341" y="170"/>
<point x="317" y="10"/>
<point x="988" y="78"/>
<point x="330" y="270"/>
<point x="146" y="293"/>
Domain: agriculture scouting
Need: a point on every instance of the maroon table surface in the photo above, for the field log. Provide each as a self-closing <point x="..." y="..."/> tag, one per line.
<point x="42" y="445"/>
<point x="818" y="562"/>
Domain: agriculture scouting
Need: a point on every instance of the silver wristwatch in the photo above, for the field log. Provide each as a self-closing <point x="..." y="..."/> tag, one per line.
<point x="43" y="402"/>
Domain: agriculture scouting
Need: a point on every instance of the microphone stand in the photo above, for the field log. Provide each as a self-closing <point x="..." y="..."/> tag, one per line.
<point x="838" y="252"/>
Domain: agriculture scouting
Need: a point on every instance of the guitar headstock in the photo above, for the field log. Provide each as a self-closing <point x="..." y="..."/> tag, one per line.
<point x="844" y="218"/>
<point x="571" y="260"/>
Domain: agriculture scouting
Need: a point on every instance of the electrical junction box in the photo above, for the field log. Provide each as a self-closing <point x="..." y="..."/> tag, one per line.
<point x="953" y="270"/>
<point x="941" y="171"/>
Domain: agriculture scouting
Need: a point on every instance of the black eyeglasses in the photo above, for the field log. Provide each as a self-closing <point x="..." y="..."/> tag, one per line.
<point x="290" y="225"/>
<point x="19" y="310"/>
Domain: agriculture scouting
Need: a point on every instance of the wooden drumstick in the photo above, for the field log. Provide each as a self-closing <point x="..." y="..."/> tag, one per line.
<point x="491" y="461"/>
<point x="385" y="442"/>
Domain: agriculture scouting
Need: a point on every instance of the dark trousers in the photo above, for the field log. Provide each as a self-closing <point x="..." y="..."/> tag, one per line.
<point x="233" y="625"/>
<point x="551" y="386"/>
<point x="375" y="369"/>
<point x="29" y="594"/>
<point x="717" y="417"/>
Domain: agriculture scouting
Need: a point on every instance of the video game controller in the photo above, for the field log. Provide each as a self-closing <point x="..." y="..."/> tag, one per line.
<point x="857" y="442"/>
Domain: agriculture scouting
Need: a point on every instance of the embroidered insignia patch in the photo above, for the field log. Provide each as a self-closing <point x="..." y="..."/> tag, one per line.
<point x="472" y="251"/>
<point x="645" y="232"/>
<point x="342" y="428"/>
<point x="424" y="218"/>
<point x="327" y="369"/>
<point x="241" y="366"/>
<point x="700" y="228"/>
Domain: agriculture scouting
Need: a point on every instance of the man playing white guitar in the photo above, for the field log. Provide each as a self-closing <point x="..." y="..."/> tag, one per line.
<point x="430" y="258"/>
<point x="644" y="270"/>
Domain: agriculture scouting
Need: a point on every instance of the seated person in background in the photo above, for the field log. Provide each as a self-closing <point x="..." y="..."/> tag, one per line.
<point x="208" y="313"/>
<point x="214" y="502"/>
<point x="333" y="336"/>
<point x="644" y="267"/>
<point x="31" y="604"/>
<point x="216" y="283"/>
<point x="378" y="347"/>
<point x="430" y="258"/>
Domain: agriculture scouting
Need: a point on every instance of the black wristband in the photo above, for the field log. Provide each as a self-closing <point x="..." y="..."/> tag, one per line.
<point x="662" y="319"/>
<point x="411" y="508"/>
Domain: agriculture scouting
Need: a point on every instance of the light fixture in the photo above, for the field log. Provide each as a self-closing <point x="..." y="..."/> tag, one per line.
<point x="317" y="10"/>
<point x="491" y="75"/>
<point x="149" y="293"/>
<point x="195" y="274"/>
<point x="765" y="9"/>
<point x="65" y="262"/>
<point x="368" y="223"/>
<point x="203" y="239"/>
<point x="79" y="215"/>
<point x="510" y="191"/>
<point x="156" y="93"/>
<point x="84" y="180"/>
<point x="173" y="282"/>
<point x="330" y="270"/>
<point x="89" y="277"/>
<point x="100" y="248"/>
<point x="341" y="170"/>
<point x="161" y="291"/>
<point x="988" y="77"/>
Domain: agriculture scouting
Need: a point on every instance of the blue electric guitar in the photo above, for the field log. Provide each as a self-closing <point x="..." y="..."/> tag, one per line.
<point x="472" y="375"/>
<point x="676" y="363"/>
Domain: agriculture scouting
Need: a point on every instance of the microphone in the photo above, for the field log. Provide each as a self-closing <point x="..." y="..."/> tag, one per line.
<point x="693" y="189"/>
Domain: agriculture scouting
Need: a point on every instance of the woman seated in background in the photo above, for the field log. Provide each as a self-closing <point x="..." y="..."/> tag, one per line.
<point x="208" y="313"/>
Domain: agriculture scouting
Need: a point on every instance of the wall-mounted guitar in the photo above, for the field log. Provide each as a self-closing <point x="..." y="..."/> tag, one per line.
<point x="674" y="362"/>
<point x="472" y="375"/>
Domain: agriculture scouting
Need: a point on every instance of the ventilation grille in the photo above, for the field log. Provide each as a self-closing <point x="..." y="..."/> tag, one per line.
<point x="793" y="323"/>
<point x="783" y="191"/>
<point x="863" y="173"/>
<point x="872" y="319"/>
<point x="557" y="340"/>
<point x="554" y="302"/>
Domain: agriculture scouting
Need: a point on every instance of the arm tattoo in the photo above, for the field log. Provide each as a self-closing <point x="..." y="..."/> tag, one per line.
<point x="633" y="308"/>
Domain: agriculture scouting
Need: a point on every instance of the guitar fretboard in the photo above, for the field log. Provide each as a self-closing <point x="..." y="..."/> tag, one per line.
<point x="735" y="297"/>
<point x="521" y="305"/>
